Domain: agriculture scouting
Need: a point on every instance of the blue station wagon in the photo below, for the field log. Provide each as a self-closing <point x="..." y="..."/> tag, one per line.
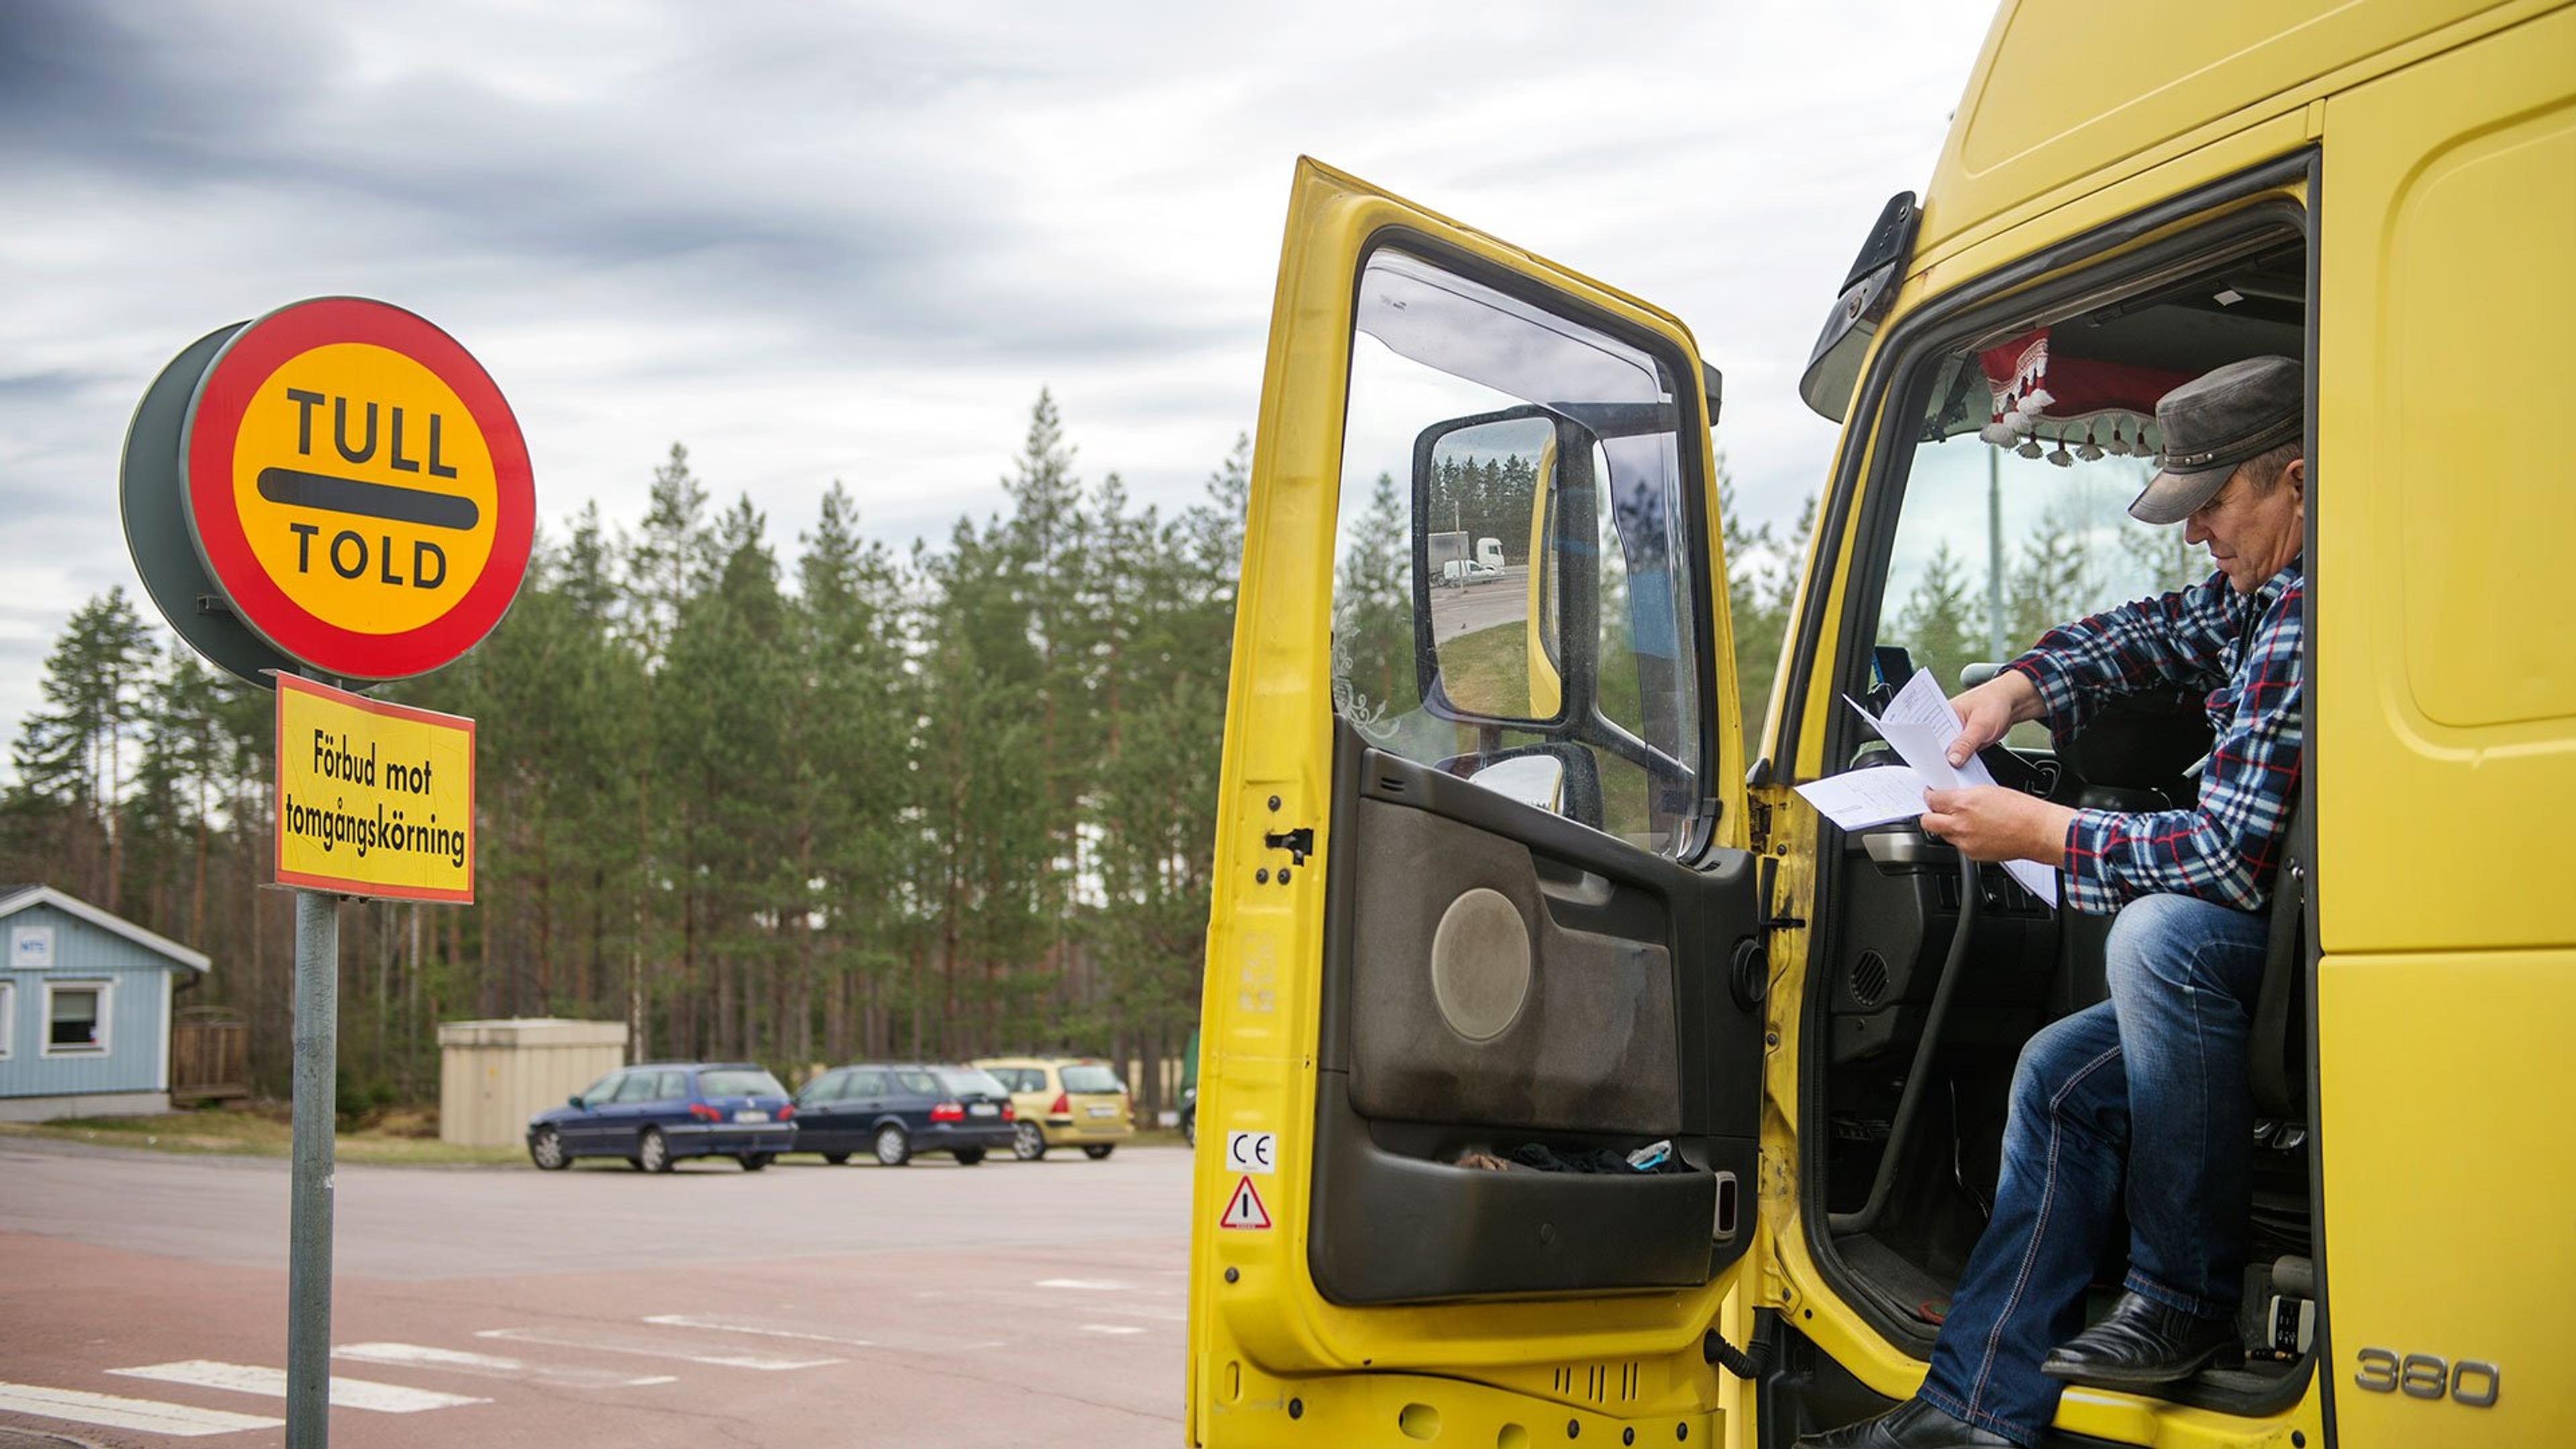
<point x="655" y="1113"/>
<point x="900" y="1111"/>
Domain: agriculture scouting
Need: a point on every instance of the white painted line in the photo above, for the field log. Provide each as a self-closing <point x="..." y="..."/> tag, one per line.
<point x="908" y="1342"/>
<point x="108" y="1411"/>
<point x="1093" y="1285"/>
<point x="413" y="1353"/>
<point x="563" y="1338"/>
<point x="1111" y="1328"/>
<point x="242" y="1378"/>
<point x="1128" y="1307"/>
<point x="691" y="1320"/>
<point x="493" y="1366"/>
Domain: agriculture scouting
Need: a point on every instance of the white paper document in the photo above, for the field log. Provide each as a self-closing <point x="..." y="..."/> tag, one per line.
<point x="1920" y="725"/>
<point x="1859" y="799"/>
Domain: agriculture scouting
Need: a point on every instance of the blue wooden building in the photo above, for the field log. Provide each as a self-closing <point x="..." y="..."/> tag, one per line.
<point x="85" y="1003"/>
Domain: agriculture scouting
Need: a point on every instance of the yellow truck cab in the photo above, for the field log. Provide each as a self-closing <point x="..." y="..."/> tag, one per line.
<point x="1566" y="1079"/>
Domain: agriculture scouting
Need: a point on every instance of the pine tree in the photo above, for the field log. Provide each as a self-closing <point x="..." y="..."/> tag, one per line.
<point x="1051" y="537"/>
<point x="72" y="750"/>
<point x="1939" y="623"/>
<point x="857" y="720"/>
<point x="664" y="565"/>
<point x="986" y="812"/>
<point x="187" y="741"/>
<point x="1375" y="681"/>
<point x="1762" y="575"/>
<point x="2050" y="581"/>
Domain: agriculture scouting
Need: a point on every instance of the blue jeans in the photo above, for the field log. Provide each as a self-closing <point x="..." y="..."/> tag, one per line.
<point x="2155" y="1074"/>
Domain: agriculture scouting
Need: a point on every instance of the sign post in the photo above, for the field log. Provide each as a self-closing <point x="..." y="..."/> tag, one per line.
<point x="374" y="800"/>
<point x="342" y="490"/>
<point x="317" y="1109"/>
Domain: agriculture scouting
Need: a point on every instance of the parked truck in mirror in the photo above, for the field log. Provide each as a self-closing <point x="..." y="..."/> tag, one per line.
<point x="1453" y="565"/>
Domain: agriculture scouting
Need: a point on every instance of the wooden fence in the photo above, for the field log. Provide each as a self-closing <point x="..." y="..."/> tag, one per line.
<point x="209" y="1055"/>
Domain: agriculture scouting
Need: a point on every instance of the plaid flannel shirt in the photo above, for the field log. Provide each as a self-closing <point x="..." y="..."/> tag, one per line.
<point x="2226" y="847"/>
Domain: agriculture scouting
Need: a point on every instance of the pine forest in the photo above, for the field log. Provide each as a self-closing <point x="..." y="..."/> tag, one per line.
<point x="802" y="807"/>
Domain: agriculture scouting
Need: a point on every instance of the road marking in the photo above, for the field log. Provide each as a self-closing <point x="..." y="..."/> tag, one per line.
<point x="245" y="1378"/>
<point x="1111" y="1328"/>
<point x="493" y="1366"/>
<point x="691" y="1320"/>
<point x="1158" y="1315"/>
<point x="1123" y="1308"/>
<point x="1093" y="1285"/>
<point x="914" y="1343"/>
<point x="560" y="1339"/>
<point x="108" y="1411"/>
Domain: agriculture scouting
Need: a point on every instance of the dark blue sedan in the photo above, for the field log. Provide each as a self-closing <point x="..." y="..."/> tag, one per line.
<point x="655" y="1113"/>
<point x="900" y="1110"/>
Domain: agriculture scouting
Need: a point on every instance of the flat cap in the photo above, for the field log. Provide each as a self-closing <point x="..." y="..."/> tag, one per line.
<point x="2216" y="421"/>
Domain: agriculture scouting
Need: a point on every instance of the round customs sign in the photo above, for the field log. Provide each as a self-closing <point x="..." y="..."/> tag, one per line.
<point x="357" y="488"/>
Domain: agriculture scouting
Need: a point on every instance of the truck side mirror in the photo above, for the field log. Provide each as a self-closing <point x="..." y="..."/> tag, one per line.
<point x="1869" y="290"/>
<point x="1483" y="616"/>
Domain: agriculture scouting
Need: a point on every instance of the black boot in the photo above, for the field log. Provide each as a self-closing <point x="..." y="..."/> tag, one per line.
<point x="2143" y="1345"/>
<point x="1913" y="1424"/>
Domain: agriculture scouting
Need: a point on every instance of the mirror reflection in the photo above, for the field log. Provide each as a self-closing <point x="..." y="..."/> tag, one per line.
<point x="1481" y="487"/>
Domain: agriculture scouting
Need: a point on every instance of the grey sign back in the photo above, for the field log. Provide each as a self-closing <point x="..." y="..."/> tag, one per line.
<point x="156" y="527"/>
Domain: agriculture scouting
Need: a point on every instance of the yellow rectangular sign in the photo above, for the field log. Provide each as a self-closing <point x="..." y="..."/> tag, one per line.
<point x="373" y="799"/>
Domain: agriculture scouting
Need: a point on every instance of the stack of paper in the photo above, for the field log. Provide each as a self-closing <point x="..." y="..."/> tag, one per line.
<point x="1920" y="724"/>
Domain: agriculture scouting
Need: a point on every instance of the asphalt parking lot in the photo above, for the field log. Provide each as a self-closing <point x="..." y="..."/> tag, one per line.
<point x="143" y="1301"/>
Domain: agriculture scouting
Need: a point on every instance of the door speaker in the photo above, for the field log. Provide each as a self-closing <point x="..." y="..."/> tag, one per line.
<point x="1869" y="979"/>
<point x="1480" y="964"/>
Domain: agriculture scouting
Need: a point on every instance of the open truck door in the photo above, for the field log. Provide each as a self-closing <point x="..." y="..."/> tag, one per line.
<point x="1481" y="1089"/>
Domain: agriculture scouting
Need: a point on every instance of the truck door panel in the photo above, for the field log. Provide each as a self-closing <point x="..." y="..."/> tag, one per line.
<point x="1620" y="953"/>
<point x="1482" y="884"/>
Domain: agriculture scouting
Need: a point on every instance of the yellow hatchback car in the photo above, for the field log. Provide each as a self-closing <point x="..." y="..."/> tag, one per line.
<point x="1065" y="1102"/>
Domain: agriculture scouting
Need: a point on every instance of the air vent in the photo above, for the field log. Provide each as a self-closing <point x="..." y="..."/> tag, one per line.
<point x="1869" y="978"/>
<point x="1602" y="1383"/>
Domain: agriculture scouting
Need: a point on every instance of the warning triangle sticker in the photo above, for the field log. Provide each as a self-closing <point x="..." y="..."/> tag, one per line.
<point x="1244" y="1209"/>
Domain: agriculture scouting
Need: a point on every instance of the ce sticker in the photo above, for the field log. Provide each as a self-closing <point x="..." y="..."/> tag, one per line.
<point x="1251" y="1151"/>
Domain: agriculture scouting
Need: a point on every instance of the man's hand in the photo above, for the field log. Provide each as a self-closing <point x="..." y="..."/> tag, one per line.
<point x="1990" y="709"/>
<point x="1990" y="822"/>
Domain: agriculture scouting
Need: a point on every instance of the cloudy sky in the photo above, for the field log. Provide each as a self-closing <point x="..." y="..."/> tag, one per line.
<point x="816" y="242"/>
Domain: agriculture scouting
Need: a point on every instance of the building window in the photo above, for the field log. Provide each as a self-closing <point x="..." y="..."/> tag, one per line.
<point x="76" y="1018"/>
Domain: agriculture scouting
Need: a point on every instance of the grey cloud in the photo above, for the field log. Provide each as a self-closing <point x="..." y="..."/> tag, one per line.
<point x="153" y="90"/>
<point x="643" y="185"/>
<point x="49" y="388"/>
<point x="770" y="231"/>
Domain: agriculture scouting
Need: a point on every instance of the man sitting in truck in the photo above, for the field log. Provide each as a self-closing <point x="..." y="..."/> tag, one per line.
<point x="2156" y="1074"/>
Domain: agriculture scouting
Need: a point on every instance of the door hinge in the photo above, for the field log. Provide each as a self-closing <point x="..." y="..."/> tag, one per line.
<point x="1757" y="822"/>
<point x="1299" y="843"/>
